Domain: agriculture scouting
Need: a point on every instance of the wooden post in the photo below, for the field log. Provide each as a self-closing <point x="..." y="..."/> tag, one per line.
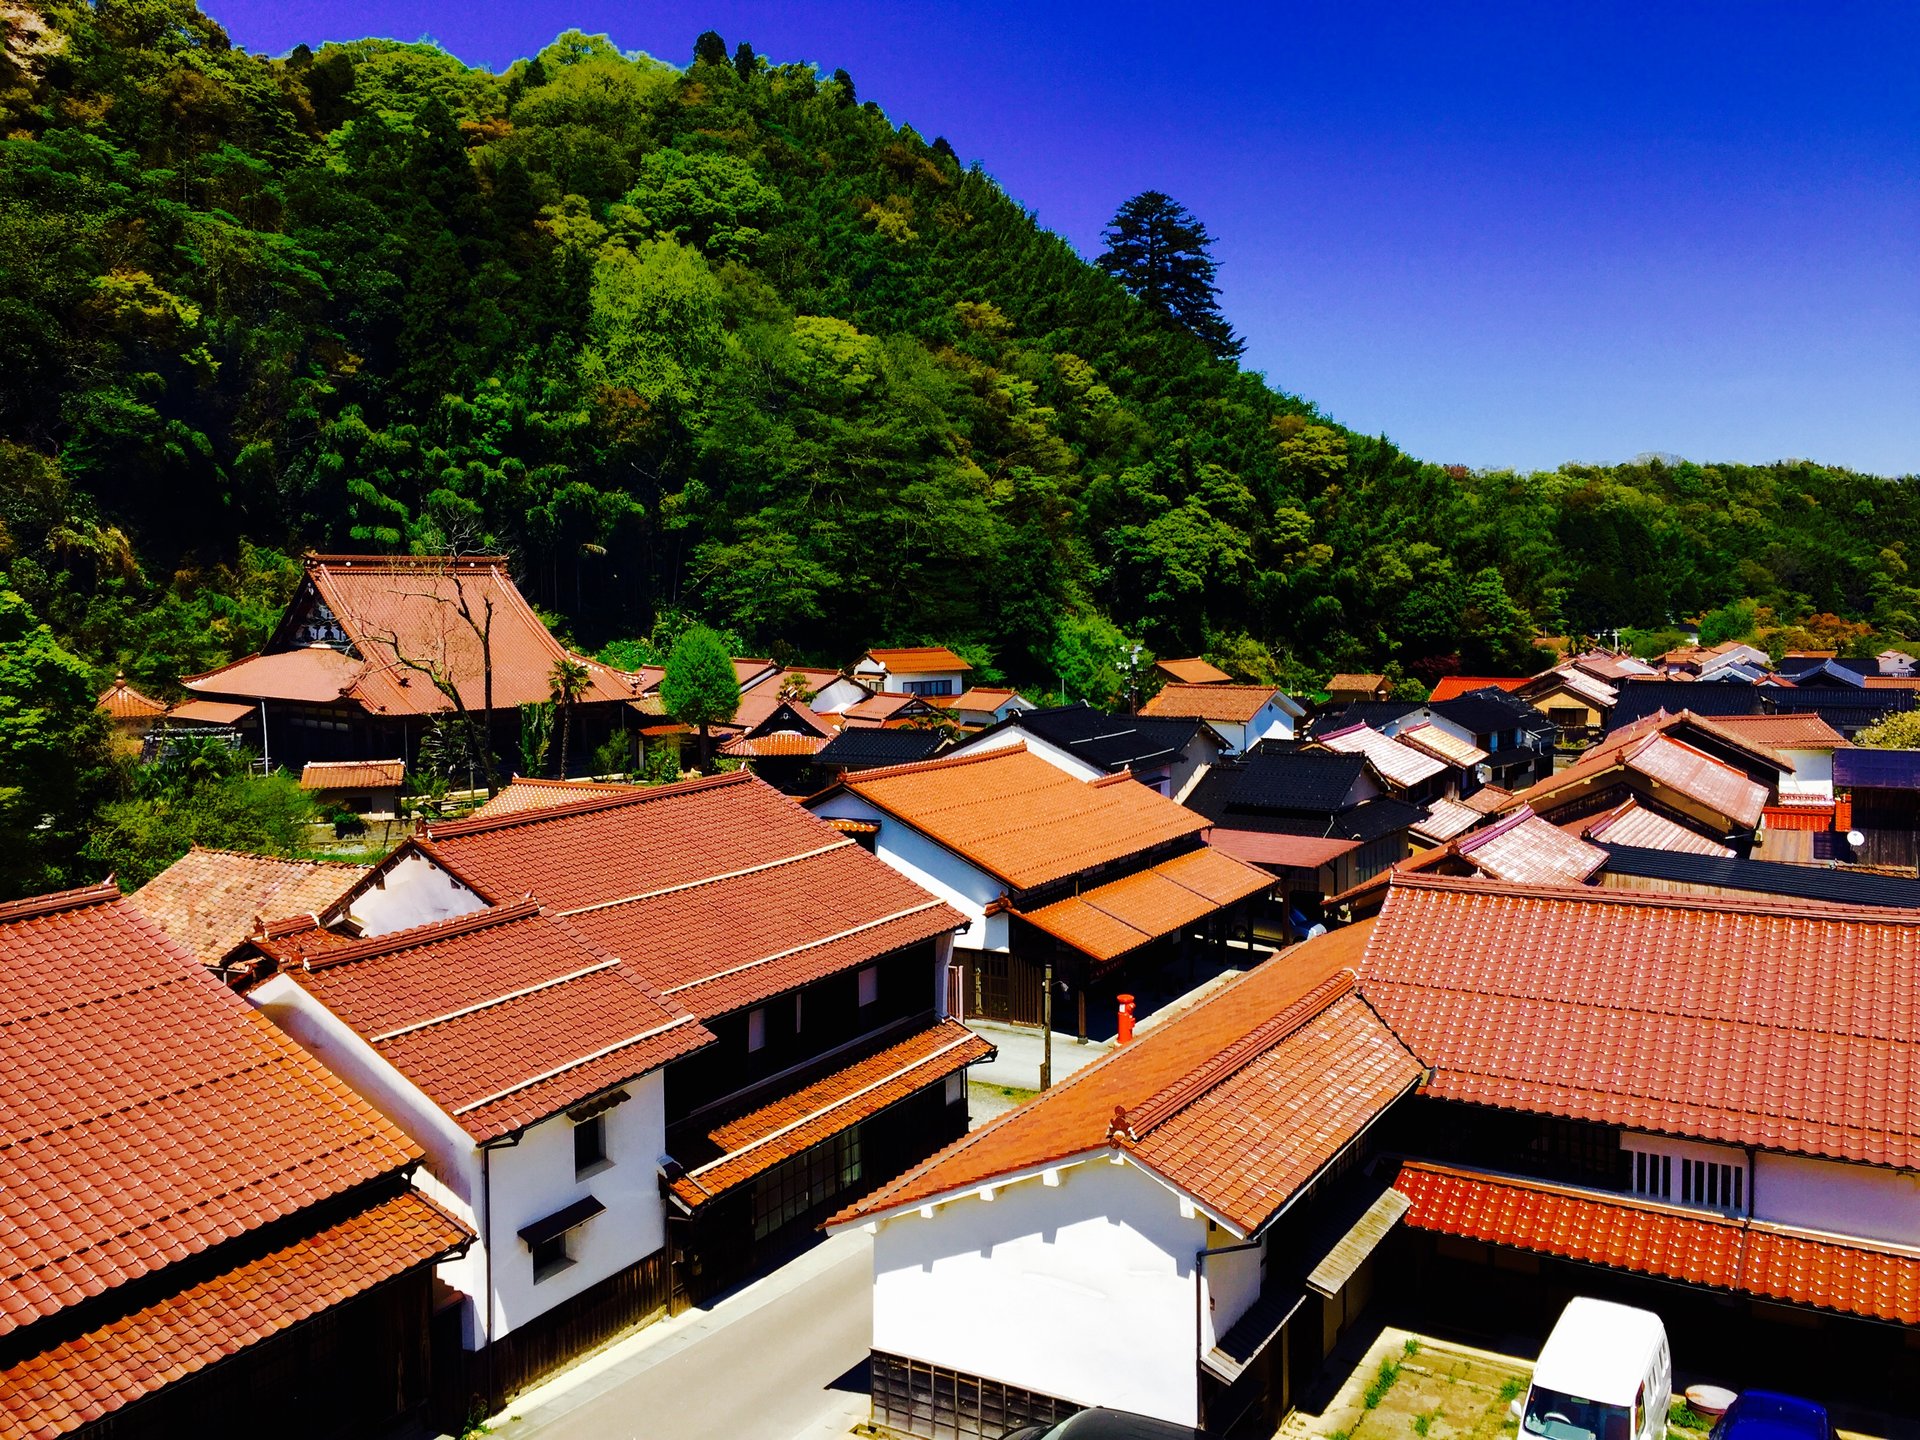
<point x="1046" y="1023"/>
<point x="1080" y="998"/>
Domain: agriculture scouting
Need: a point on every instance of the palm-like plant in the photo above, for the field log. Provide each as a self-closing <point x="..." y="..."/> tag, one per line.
<point x="568" y="681"/>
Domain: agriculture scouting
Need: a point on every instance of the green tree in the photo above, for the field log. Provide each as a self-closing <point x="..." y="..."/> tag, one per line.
<point x="536" y="736"/>
<point x="1164" y="258"/>
<point x="709" y="49"/>
<point x="569" y="680"/>
<point x="1899" y="731"/>
<point x="700" y="687"/>
<point x="52" y="753"/>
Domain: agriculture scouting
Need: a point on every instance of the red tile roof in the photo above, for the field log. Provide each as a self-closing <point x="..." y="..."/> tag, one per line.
<point x="1110" y="920"/>
<point x="398" y="609"/>
<point x="1662" y="760"/>
<point x="502" y="1017"/>
<point x="93" y="1374"/>
<point x="918" y="660"/>
<point x="1022" y="820"/>
<point x="1633" y="824"/>
<point x="760" y="704"/>
<point x="1449" y="687"/>
<point x="724" y="1154"/>
<point x="887" y="706"/>
<point x="524" y="794"/>
<point x="1787" y="1027"/>
<point x="210" y="712"/>
<point x="353" y="774"/>
<point x="1750" y="1257"/>
<point x="1447" y="819"/>
<point x="149" y="1112"/>
<point x="121" y="701"/>
<point x="1782" y="732"/>
<point x="1527" y="850"/>
<point x="1194" y="671"/>
<point x="1234" y="704"/>
<point x="209" y="900"/>
<point x="1291" y="852"/>
<point x="760" y="747"/>
<point x="1361" y="684"/>
<point x="1488" y="799"/>
<point x="1237" y="1101"/>
<point x="719" y="892"/>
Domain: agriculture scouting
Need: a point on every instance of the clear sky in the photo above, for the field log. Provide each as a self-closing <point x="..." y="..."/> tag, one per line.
<point x="1501" y="235"/>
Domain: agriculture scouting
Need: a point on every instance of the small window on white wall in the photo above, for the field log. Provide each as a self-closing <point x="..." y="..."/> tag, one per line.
<point x="756" y="1030"/>
<point x="869" y="985"/>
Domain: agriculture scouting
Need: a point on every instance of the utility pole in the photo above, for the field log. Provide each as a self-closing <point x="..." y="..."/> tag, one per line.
<point x="1046" y="1025"/>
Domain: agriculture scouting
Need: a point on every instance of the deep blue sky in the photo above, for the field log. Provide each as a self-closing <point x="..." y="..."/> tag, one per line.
<point x="1502" y="235"/>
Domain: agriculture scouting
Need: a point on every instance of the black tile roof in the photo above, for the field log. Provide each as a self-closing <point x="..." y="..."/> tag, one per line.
<point x="1316" y="780"/>
<point x="1876" y="769"/>
<point x="1370" y="820"/>
<point x="864" y="748"/>
<point x="1843" y="707"/>
<point x="1486" y="711"/>
<point x="1109" y="742"/>
<point x="1767" y="877"/>
<point x="1377" y="713"/>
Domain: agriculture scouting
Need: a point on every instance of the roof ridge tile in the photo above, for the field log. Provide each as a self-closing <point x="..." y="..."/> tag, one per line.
<point x="416" y="935"/>
<point x="1137" y="1123"/>
<point x="921" y="767"/>
<point x="586" y="804"/>
<point x="59" y="900"/>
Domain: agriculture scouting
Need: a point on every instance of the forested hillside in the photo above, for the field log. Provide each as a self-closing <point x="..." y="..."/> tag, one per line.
<point x="721" y="340"/>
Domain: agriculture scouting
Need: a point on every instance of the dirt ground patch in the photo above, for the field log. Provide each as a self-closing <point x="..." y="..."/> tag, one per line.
<point x="1410" y="1388"/>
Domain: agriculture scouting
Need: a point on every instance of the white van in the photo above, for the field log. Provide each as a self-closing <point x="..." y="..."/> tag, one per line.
<point x="1604" y="1374"/>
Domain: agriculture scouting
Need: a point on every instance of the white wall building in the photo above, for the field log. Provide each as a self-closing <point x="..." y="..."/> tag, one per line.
<point x="914" y="670"/>
<point x="1242" y="715"/>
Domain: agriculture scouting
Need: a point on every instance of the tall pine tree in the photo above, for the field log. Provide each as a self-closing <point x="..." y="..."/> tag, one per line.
<point x="1164" y="256"/>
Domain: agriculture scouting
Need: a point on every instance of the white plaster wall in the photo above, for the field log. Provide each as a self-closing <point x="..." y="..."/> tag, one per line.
<point x="1232" y="1284"/>
<point x="528" y="1181"/>
<point x="414" y="892"/>
<point x="533" y="1179"/>
<point x="1861" y="1200"/>
<point x="452" y="1174"/>
<point x="1084" y="1290"/>
<point x="1812" y="773"/>
<point x="1006" y="739"/>
<point x="933" y="867"/>
<point x="837" y="695"/>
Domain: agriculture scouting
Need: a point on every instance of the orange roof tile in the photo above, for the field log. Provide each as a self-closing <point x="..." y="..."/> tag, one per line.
<point x="1788" y="1027"/>
<point x="352" y="774"/>
<point x="1488" y="799"/>
<point x="1528" y="850"/>
<point x="1633" y="824"/>
<point x="1748" y="1257"/>
<point x="1122" y="915"/>
<point x="1194" y="671"/>
<point x="719" y="892"/>
<point x="1449" y="687"/>
<point x="149" y="1113"/>
<point x="1022" y="820"/>
<point x="524" y="793"/>
<point x="1442" y="745"/>
<point x="392" y="610"/>
<point x="208" y="900"/>
<point x="1783" y="732"/>
<point x="93" y="1374"/>
<point x="1190" y="1110"/>
<point x="1660" y="758"/>
<point x="1358" y="684"/>
<point x="210" y="712"/>
<point x="760" y="747"/>
<point x="502" y="1017"/>
<point x="1292" y="852"/>
<point x="723" y="1154"/>
<point x="121" y="701"/>
<point x="1230" y="703"/>
<point x="1447" y="819"/>
<point x="918" y="659"/>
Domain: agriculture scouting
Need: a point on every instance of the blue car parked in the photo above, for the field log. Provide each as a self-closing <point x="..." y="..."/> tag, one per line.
<point x="1763" y="1415"/>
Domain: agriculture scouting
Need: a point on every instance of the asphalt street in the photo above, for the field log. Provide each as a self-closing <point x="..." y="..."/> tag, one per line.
<point x="782" y="1359"/>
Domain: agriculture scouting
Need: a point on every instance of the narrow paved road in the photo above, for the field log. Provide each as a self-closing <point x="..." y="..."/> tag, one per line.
<point x="779" y="1360"/>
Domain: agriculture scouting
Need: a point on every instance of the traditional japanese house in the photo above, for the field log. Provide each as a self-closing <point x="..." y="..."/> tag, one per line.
<point x="1167" y="755"/>
<point x="1242" y="715"/>
<point x="374" y="648"/>
<point x="206" y="1232"/>
<point x="1084" y="879"/>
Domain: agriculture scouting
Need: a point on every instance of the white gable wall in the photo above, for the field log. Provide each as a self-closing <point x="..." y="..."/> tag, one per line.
<point x="527" y="1181"/>
<point x="931" y="866"/>
<point x="1812" y="773"/>
<point x="1082" y="1290"/>
<point x="1015" y="735"/>
<point x="413" y="891"/>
